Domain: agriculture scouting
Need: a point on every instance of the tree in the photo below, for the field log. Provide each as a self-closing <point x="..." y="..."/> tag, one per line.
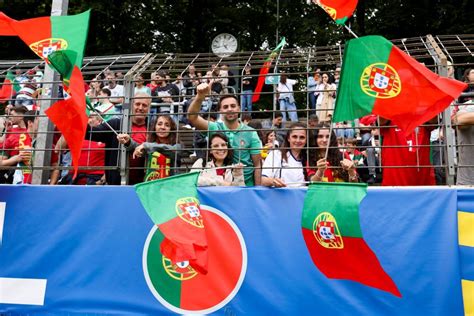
<point x="125" y="26"/>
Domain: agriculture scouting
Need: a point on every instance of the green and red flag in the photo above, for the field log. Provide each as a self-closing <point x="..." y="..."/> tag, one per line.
<point x="338" y="10"/>
<point x="332" y="232"/>
<point x="379" y="78"/>
<point x="69" y="115"/>
<point x="265" y="69"/>
<point x="173" y="206"/>
<point x="45" y="35"/>
<point x="9" y="87"/>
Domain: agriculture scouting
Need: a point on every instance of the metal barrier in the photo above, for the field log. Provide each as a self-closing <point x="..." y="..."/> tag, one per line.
<point x="437" y="52"/>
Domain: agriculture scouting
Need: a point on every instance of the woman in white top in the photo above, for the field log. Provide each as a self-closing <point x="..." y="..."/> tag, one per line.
<point x="285" y="167"/>
<point x="219" y="170"/>
<point x="286" y="98"/>
<point x="325" y="93"/>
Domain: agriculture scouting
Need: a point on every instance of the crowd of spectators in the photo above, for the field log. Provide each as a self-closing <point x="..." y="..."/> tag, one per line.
<point x="229" y="146"/>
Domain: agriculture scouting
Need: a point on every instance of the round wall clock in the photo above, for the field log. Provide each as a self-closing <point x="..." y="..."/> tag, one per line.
<point x="224" y="45"/>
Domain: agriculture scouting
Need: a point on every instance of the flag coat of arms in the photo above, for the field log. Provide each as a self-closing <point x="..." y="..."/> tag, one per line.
<point x="338" y="10"/>
<point x="45" y="35"/>
<point x="379" y="78"/>
<point x="333" y="236"/>
<point x="173" y="206"/>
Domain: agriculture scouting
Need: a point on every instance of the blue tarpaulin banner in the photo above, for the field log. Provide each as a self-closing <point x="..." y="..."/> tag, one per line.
<point x="77" y="250"/>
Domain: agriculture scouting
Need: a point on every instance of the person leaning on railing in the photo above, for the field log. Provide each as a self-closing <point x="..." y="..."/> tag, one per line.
<point x="334" y="168"/>
<point x="242" y="138"/>
<point x="219" y="170"/>
<point x="464" y="119"/>
<point x="285" y="167"/>
<point x="161" y="150"/>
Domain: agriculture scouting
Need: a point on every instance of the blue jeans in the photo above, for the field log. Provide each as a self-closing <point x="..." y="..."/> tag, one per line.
<point x="246" y="100"/>
<point x="312" y="102"/>
<point x="285" y="105"/>
<point x="346" y="133"/>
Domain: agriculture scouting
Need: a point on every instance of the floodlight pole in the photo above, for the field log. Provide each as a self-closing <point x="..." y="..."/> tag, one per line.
<point x="44" y="140"/>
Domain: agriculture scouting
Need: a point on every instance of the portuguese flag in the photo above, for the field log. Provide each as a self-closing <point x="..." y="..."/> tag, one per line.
<point x="332" y="232"/>
<point x="265" y="69"/>
<point x="377" y="77"/>
<point x="69" y="115"/>
<point x="338" y="10"/>
<point x="8" y="87"/>
<point x="173" y="206"/>
<point x="45" y="35"/>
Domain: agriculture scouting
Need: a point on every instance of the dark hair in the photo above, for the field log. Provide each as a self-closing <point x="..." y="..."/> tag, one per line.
<point x="286" y="144"/>
<point x="226" y="96"/>
<point x="465" y="77"/>
<point x="172" y="137"/>
<point x="246" y="117"/>
<point x="266" y="134"/>
<point x="19" y="109"/>
<point x="106" y="91"/>
<point x="230" y="153"/>
<point x="161" y="73"/>
<point x="258" y="127"/>
<point x="334" y="155"/>
<point x="277" y="114"/>
<point x="30" y="116"/>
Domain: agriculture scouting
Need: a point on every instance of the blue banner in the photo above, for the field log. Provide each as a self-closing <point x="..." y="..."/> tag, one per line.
<point x="77" y="250"/>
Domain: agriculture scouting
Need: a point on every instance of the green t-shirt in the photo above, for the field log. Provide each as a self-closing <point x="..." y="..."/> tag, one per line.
<point x="244" y="142"/>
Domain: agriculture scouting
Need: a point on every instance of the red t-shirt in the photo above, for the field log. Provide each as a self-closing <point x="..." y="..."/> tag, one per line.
<point x="137" y="173"/>
<point x="16" y="138"/>
<point x="410" y="155"/>
<point x="328" y="174"/>
<point x="92" y="155"/>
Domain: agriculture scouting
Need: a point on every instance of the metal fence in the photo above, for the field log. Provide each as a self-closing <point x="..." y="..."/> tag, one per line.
<point x="436" y="52"/>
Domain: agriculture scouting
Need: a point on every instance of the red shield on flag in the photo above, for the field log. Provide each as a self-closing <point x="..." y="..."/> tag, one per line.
<point x="45" y="47"/>
<point x="381" y="80"/>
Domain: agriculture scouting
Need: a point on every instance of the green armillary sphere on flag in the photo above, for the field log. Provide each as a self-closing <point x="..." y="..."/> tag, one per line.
<point x="173" y="206"/>
<point x="338" y="10"/>
<point x="377" y="77"/>
<point x="332" y="232"/>
<point x="45" y="35"/>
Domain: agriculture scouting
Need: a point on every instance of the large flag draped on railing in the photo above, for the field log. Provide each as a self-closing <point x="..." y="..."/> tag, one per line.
<point x="377" y="77"/>
<point x="265" y="69"/>
<point x="332" y="232"/>
<point x="338" y="10"/>
<point x="62" y="38"/>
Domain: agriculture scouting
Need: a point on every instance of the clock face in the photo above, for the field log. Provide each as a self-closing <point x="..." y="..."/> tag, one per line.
<point x="224" y="45"/>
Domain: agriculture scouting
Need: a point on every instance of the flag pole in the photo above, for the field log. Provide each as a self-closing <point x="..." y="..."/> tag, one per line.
<point x="350" y="31"/>
<point x="329" y="141"/>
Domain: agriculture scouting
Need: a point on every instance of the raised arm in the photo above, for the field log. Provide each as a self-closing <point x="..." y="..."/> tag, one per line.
<point x="197" y="121"/>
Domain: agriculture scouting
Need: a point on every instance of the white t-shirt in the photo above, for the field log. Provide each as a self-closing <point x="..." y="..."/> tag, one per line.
<point x="286" y="89"/>
<point x="289" y="171"/>
<point x="117" y="91"/>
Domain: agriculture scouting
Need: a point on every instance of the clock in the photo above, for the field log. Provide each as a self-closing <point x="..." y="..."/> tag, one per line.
<point x="224" y="45"/>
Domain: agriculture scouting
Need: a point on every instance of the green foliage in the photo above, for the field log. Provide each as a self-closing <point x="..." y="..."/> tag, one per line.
<point x="125" y="26"/>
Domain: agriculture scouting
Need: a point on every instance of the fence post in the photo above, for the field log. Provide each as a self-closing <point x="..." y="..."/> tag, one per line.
<point x="449" y="150"/>
<point x="44" y="139"/>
